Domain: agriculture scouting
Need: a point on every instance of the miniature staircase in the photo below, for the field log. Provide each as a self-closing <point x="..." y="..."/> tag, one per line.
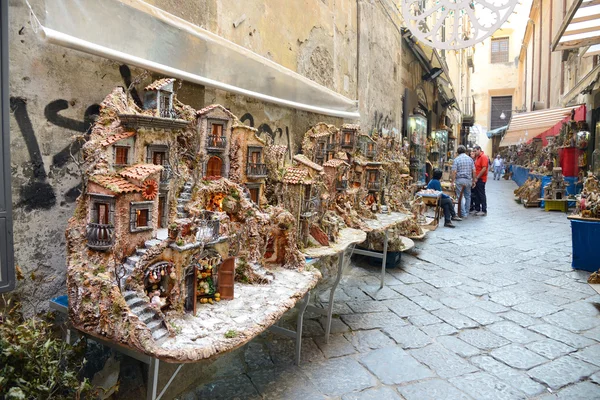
<point x="147" y="315"/>
<point x="184" y="197"/>
<point x="132" y="260"/>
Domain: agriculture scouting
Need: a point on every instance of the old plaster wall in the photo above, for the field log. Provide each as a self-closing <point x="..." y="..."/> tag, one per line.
<point x="55" y="93"/>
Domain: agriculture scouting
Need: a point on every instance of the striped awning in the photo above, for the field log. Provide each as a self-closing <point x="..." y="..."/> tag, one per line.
<point x="526" y="126"/>
<point x="581" y="26"/>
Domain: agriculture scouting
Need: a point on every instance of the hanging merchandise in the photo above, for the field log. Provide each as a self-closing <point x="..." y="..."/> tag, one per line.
<point x="455" y="24"/>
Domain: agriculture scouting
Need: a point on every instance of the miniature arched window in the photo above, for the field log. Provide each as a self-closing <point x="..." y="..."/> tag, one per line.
<point x="214" y="166"/>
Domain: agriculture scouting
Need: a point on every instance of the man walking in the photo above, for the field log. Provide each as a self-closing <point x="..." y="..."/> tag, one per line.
<point x="463" y="170"/>
<point x="498" y="166"/>
<point x="481" y="173"/>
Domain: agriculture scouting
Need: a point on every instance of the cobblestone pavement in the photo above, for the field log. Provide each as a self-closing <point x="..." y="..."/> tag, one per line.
<point x="489" y="310"/>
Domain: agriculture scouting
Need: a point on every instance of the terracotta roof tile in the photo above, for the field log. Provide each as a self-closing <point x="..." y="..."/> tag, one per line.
<point x="280" y="149"/>
<point x="115" y="184"/>
<point x="116" y="137"/>
<point x="335" y="162"/>
<point x="301" y="158"/>
<point x="140" y="171"/>
<point x="156" y="85"/>
<point x="213" y="107"/>
<point x="295" y="176"/>
<point x="354" y="127"/>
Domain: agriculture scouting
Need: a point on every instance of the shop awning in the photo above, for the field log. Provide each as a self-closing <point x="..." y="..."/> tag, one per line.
<point x="581" y="26"/>
<point x="526" y="126"/>
<point x="136" y="33"/>
<point x="496" y="132"/>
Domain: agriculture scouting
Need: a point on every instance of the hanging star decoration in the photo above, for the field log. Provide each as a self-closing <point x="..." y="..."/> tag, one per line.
<point x="455" y="24"/>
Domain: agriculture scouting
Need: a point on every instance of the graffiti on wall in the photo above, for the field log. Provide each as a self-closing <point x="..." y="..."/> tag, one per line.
<point x="37" y="193"/>
<point x="277" y="135"/>
<point x="385" y="125"/>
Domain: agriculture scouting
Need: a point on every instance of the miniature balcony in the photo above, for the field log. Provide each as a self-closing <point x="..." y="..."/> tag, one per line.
<point x="216" y="143"/>
<point x="331" y="147"/>
<point x="371" y="153"/>
<point x="256" y="170"/>
<point x="169" y="114"/>
<point x="100" y="237"/>
<point x="320" y="153"/>
<point x="374" y="186"/>
<point x="341" y="184"/>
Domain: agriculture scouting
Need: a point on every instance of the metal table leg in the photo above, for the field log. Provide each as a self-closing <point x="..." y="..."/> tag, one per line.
<point x="296" y="335"/>
<point x="152" y="385"/>
<point x="384" y="259"/>
<point x="341" y="260"/>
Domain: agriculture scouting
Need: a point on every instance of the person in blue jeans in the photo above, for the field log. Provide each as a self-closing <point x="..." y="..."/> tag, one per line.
<point x="463" y="172"/>
<point x="446" y="202"/>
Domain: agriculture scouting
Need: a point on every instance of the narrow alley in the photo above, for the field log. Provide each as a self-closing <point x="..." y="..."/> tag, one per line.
<point x="489" y="310"/>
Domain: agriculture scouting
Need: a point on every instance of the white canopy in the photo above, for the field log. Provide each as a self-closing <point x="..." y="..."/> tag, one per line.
<point x="136" y="33"/>
<point x="526" y="126"/>
<point x="581" y="26"/>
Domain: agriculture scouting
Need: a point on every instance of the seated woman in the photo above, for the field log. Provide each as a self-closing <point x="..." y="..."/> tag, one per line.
<point x="446" y="203"/>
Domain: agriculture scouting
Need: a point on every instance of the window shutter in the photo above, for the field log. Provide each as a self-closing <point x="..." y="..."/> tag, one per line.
<point x="111" y="213"/>
<point x="132" y="219"/>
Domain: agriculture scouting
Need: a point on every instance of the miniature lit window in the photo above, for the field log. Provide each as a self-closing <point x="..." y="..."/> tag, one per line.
<point x="255" y="157"/>
<point x="140" y="218"/>
<point x="121" y="155"/>
<point x="372" y="176"/>
<point x="103" y="213"/>
<point x="217" y="130"/>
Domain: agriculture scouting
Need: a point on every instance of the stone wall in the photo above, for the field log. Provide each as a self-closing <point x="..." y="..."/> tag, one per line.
<point x="349" y="46"/>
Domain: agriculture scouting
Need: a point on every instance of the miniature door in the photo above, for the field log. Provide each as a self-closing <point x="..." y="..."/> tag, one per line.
<point x="214" y="166"/>
<point x="190" y="290"/>
<point x="226" y="278"/>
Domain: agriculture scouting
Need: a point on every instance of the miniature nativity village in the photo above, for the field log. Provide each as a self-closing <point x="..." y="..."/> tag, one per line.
<point x="186" y="210"/>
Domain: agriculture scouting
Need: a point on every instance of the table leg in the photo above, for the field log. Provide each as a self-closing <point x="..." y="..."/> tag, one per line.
<point x="152" y="386"/>
<point x="384" y="258"/>
<point x="332" y="293"/>
<point x="299" y="325"/>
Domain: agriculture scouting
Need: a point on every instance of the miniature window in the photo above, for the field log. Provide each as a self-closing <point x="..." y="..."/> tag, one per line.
<point x="165" y="103"/>
<point x="141" y="216"/>
<point x="157" y="154"/>
<point x="217" y="130"/>
<point x="499" y="50"/>
<point x="255" y="156"/>
<point x="102" y="209"/>
<point x="121" y="155"/>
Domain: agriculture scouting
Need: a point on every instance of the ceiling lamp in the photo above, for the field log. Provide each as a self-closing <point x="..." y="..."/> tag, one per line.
<point x="455" y="24"/>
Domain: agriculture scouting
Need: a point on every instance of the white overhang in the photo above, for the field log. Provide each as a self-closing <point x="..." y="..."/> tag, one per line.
<point x="139" y="34"/>
<point x="526" y="126"/>
<point x="580" y="27"/>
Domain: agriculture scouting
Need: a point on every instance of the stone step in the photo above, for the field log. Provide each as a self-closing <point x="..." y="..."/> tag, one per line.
<point x="185" y="196"/>
<point x="152" y="242"/>
<point x="141" y="251"/>
<point x="135" y="302"/>
<point x="183" y="201"/>
<point x="129" y="294"/>
<point x="132" y="260"/>
<point x="160" y="334"/>
<point x="140" y="309"/>
<point x="146" y="317"/>
<point x="155" y="324"/>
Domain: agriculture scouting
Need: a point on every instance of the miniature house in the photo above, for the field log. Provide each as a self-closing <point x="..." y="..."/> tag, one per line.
<point x="321" y="142"/>
<point x="336" y="175"/>
<point x="215" y="124"/>
<point x="247" y="158"/>
<point x="367" y="147"/>
<point x="348" y="136"/>
<point x="159" y="97"/>
<point x="557" y="188"/>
